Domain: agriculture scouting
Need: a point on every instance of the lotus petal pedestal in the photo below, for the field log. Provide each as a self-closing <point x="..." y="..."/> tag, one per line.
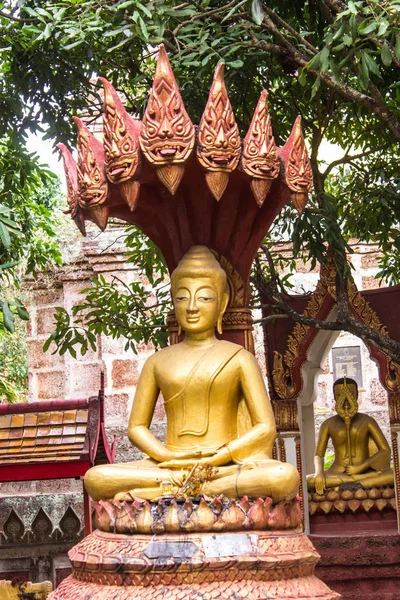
<point x="196" y="565"/>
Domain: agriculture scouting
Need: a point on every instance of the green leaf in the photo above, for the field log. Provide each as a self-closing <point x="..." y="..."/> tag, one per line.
<point x="257" y="11"/>
<point x="236" y="64"/>
<point x="124" y="4"/>
<point x="347" y="40"/>
<point x="315" y="87"/>
<point x="8" y="265"/>
<point x="143" y="28"/>
<point x="302" y="78"/>
<point x="383" y="26"/>
<point x="352" y="7"/>
<point x="325" y="59"/>
<point x="8" y="317"/>
<point x="314" y="63"/>
<point x="372" y="66"/>
<point x="386" y="55"/>
<point x="5" y="236"/>
<point x="47" y="343"/>
<point x="397" y="49"/>
<point x="233" y="10"/>
<point x="73" y="45"/>
<point x="367" y="26"/>
<point x="144" y="9"/>
<point x="22" y="313"/>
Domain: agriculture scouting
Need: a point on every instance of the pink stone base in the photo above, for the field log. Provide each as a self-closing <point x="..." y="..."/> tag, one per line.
<point x="277" y="565"/>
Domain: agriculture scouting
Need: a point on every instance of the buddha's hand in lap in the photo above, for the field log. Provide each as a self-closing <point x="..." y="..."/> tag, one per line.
<point x="356" y="469"/>
<point x="190" y="457"/>
<point x="216" y="459"/>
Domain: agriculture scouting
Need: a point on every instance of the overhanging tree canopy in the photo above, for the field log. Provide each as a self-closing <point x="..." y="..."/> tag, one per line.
<point x="334" y="63"/>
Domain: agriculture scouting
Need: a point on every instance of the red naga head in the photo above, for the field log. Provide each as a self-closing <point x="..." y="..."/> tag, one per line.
<point x="218" y="141"/>
<point x="92" y="182"/>
<point x="167" y="135"/>
<point x="298" y="171"/>
<point x="259" y="156"/>
<point x="121" y="133"/>
<point x="298" y="167"/>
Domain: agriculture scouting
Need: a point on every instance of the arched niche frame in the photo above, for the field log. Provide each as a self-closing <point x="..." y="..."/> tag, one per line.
<point x="295" y="355"/>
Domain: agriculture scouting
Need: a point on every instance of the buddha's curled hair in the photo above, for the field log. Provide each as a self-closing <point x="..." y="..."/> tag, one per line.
<point x="200" y="262"/>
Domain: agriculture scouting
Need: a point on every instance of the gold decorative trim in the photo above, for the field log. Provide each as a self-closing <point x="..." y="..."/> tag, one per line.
<point x="282" y="448"/>
<point x="394" y="408"/>
<point x="286" y="415"/>
<point x="299" y="466"/>
<point x="396" y="468"/>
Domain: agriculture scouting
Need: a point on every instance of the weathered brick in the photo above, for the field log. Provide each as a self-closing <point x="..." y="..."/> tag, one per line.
<point x="37" y="359"/>
<point x="110" y="345"/>
<point x="370" y="261"/>
<point x="124" y="373"/>
<point x="51" y="385"/>
<point x="370" y="283"/>
<point x="116" y="410"/>
<point x="45" y="320"/>
<point x="378" y="393"/>
<point x="45" y="297"/>
<point x="84" y="378"/>
<point x="305" y="267"/>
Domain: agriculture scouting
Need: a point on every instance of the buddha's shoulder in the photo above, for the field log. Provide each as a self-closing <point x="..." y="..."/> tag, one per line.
<point x="332" y="421"/>
<point x="237" y="352"/>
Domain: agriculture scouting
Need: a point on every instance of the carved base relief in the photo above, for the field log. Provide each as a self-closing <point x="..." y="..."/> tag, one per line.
<point x="238" y="565"/>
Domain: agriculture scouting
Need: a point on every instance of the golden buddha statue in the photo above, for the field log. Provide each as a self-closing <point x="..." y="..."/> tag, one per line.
<point x="362" y="453"/>
<point x="203" y="381"/>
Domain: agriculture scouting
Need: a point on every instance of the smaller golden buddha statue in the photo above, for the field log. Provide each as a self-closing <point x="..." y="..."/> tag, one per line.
<point x="362" y="453"/>
<point x="34" y="591"/>
<point x="203" y="381"/>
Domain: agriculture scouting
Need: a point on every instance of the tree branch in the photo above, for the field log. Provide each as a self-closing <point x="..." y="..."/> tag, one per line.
<point x="375" y="103"/>
<point x="274" y="16"/>
<point x="347" y="158"/>
<point x="11" y="17"/>
<point x="345" y="320"/>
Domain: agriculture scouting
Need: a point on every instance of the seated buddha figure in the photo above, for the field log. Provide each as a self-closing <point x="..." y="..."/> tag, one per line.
<point x="362" y="453"/>
<point x="202" y="380"/>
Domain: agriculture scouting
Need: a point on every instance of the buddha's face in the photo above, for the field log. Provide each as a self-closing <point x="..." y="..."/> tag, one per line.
<point x="198" y="304"/>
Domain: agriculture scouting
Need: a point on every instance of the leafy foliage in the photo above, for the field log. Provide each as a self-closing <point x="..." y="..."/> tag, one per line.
<point x="13" y="364"/>
<point x="336" y="63"/>
<point x="28" y="196"/>
<point x="136" y="311"/>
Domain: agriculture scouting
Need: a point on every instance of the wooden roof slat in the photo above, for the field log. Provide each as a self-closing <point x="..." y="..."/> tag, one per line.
<point x="47" y="433"/>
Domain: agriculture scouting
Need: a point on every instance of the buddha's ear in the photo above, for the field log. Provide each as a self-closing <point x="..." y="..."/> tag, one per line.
<point x="224" y="304"/>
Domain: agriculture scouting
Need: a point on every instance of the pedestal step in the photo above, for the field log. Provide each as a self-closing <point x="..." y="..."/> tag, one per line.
<point x="259" y="565"/>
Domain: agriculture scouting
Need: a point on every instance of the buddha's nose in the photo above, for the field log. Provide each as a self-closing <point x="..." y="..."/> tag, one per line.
<point x="192" y="307"/>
